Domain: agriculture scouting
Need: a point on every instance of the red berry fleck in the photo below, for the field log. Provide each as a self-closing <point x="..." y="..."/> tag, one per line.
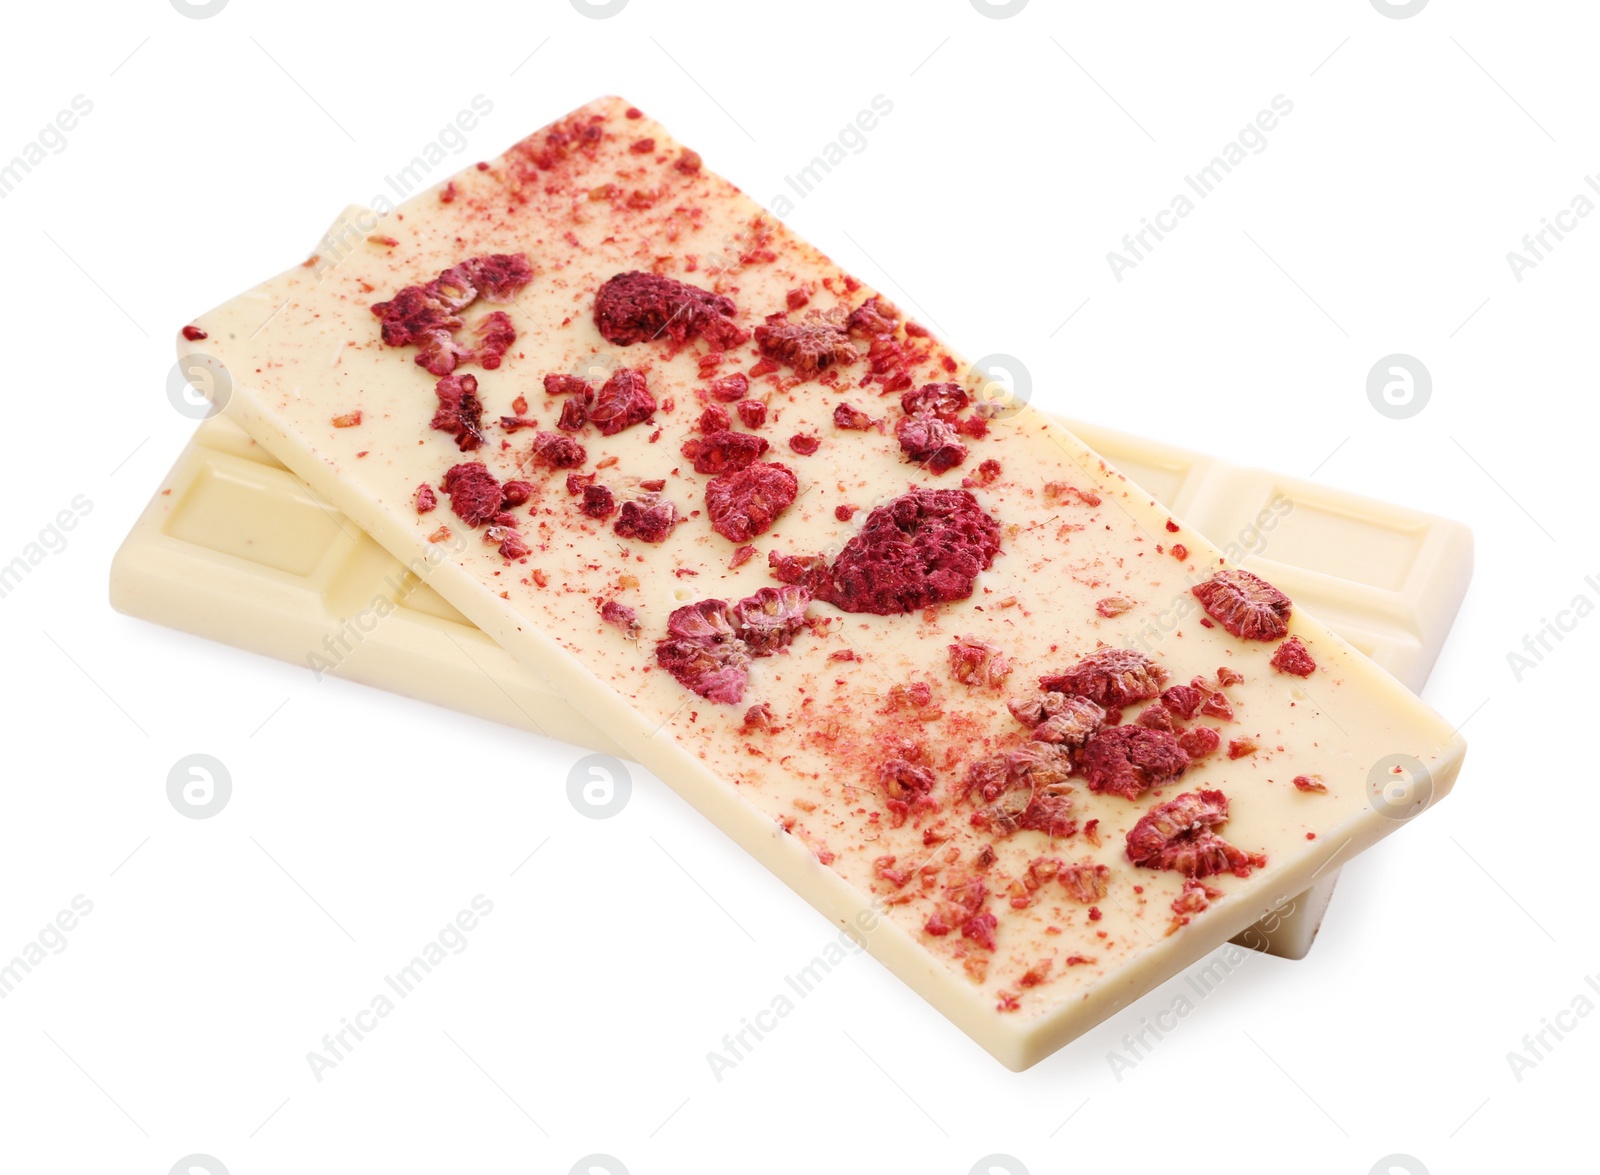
<point x="741" y="556"/>
<point x="565" y="385"/>
<point x="1172" y="526"/>
<point x="460" y="412"/>
<point x="1238" y="748"/>
<point x="1178" y="835"/>
<point x="574" y="415"/>
<point x="1180" y="552"/>
<point x="746" y="501"/>
<point x="557" y="451"/>
<point x="1227" y="676"/>
<point x="978" y="663"/>
<point x="844" y="512"/>
<point x="622" y="616"/>
<point x="426" y="498"/>
<point x="598" y="501"/>
<point x="636" y="307"/>
<point x="1199" y="741"/>
<point x="943" y="399"/>
<point x="1310" y="783"/>
<point x="1086" y="881"/>
<point x="803" y="444"/>
<point x="848" y="416"/>
<point x="752" y="412"/>
<point x="428" y="315"/>
<point x="642" y="146"/>
<point x="929" y="441"/>
<point x="873" y="317"/>
<point x="688" y="162"/>
<point x="769" y="620"/>
<point x="515" y="493"/>
<point x="702" y="651"/>
<point x="1245" y="604"/>
<point x="729" y="387"/>
<point x="1183" y="700"/>
<point x="194" y="334"/>
<point x="715" y="418"/>
<point x="1113" y="606"/>
<point x="1293" y="657"/>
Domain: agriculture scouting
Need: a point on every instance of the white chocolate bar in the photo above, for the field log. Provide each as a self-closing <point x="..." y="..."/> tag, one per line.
<point x="800" y="795"/>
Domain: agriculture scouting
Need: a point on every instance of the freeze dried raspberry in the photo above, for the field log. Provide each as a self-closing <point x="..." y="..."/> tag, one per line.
<point x="1071" y="722"/>
<point x="642" y="146"/>
<point x="622" y="617"/>
<point x="1022" y="788"/>
<point x="810" y="346"/>
<point x="752" y="412"/>
<point x="848" y="416"/>
<point x="499" y="277"/>
<point x="623" y="400"/>
<point x="929" y="441"/>
<point x="426" y="498"/>
<point x="474" y="493"/>
<point x="1155" y="717"/>
<point x="1128" y="760"/>
<point x="808" y="570"/>
<point x="1112" y="677"/>
<point x="844" y="512"/>
<point x="757" y="717"/>
<point x="1310" y="783"/>
<point x="1238" y="748"/>
<point x="729" y="388"/>
<point x="1178" y="835"/>
<point x="702" y="651"/>
<point x="557" y="451"/>
<point x="1183" y="700"/>
<point x="988" y="473"/>
<point x="1034" y="709"/>
<point x="688" y="162"/>
<point x="513" y="545"/>
<point x="1216" y="704"/>
<point x="517" y="423"/>
<point x="1049" y="813"/>
<point x="715" y="418"/>
<point x="636" y="307"/>
<point x="1113" y="606"/>
<point x="567" y="385"/>
<point x="768" y="620"/>
<point x="428" y="315"/>
<point x="1226" y="676"/>
<point x="976" y="662"/>
<point x="741" y="556"/>
<point x="460" y="411"/>
<point x="1293" y="657"/>
<point x="1199" y="741"/>
<point x="746" y="502"/>
<point x="980" y="929"/>
<point x="598" y="501"/>
<point x="875" y="316"/>
<point x="943" y="400"/>
<point x="973" y="426"/>
<point x="962" y="901"/>
<point x="574" y="415"/>
<point x="1245" y="604"/>
<point x="907" y="790"/>
<point x="649" y="518"/>
<point x="515" y="493"/>
<point x="194" y="334"/>
<point x="925" y="547"/>
<point x="803" y="444"/>
<point x="1086" y="882"/>
<point x="797" y="298"/>
<point x="495" y="336"/>
<point x="724" y="452"/>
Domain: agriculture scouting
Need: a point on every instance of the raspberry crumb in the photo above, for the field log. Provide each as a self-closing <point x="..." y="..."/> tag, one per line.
<point x="1238" y="748"/>
<point x="194" y="334"/>
<point x="1179" y="835"/>
<point x="426" y="498"/>
<point x="844" y="512"/>
<point x="1293" y="657"/>
<point x="348" y="420"/>
<point x="636" y="307"/>
<point x="745" y="502"/>
<point x="1245" y="604"/>
<point x="803" y="444"/>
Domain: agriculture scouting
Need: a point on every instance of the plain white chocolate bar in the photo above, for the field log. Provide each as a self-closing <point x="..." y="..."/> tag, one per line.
<point x="873" y="754"/>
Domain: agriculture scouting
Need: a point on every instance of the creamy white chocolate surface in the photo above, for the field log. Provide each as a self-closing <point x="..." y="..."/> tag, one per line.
<point x="804" y="797"/>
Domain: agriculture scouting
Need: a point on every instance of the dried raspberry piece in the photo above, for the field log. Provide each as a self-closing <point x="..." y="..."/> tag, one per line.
<point x="1022" y="788"/>
<point x="1216" y="704"/>
<point x="649" y="518"/>
<point x="688" y="162"/>
<point x="875" y="316"/>
<point x="944" y="400"/>
<point x="988" y="473"/>
<point x="757" y="717"/>
<point x="1238" y="748"/>
<point x="1070" y="722"/>
<point x="729" y="388"/>
<point x="803" y="444"/>
<point x="810" y="570"/>
<point x="512" y="544"/>
<point x="557" y="451"/>
<point x="622" y="616"/>
<point x="1293" y="657"/>
<point x="848" y="416"/>
<point x="973" y="426"/>
<point x="598" y="501"/>
<point x="752" y="412"/>
<point x="907" y="790"/>
<point x="194" y="334"/>
<point x="517" y="423"/>
<point x="715" y="418"/>
<point x="642" y="146"/>
<point x="746" y="502"/>
<point x="1113" y="606"/>
<point x="1183" y="700"/>
<point x="1310" y="783"/>
<point x="1178" y="835"/>
<point x="474" y="493"/>
<point x="976" y="662"/>
<point x="1049" y="813"/>
<point x="810" y="346"/>
<point x="1226" y="676"/>
<point x="1155" y="717"/>
<point x="724" y="452"/>
<point x="499" y="277"/>
<point x="426" y="498"/>
<point x="623" y="400"/>
<point x="1245" y="604"/>
<point x="428" y="315"/>
<point x="702" y="651"/>
<point x="980" y="929"/>
<point x="495" y="336"/>
<point x="567" y="385"/>
<point x="1128" y="760"/>
<point x="741" y="556"/>
<point x="923" y="548"/>
<point x="1112" y="677"/>
<point x="844" y="512"/>
<point x="929" y="441"/>
<point x="636" y="307"/>
<point x="1034" y="709"/>
<point x="574" y="415"/>
<point x="768" y="620"/>
<point x="460" y="411"/>
<point x="515" y="493"/>
<point x="1086" y="882"/>
<point x="1199" y="741"/>
<point x="347" y="419"/>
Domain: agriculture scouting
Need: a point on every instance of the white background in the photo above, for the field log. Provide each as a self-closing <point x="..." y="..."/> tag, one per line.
<point x="178" y="1017"/>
